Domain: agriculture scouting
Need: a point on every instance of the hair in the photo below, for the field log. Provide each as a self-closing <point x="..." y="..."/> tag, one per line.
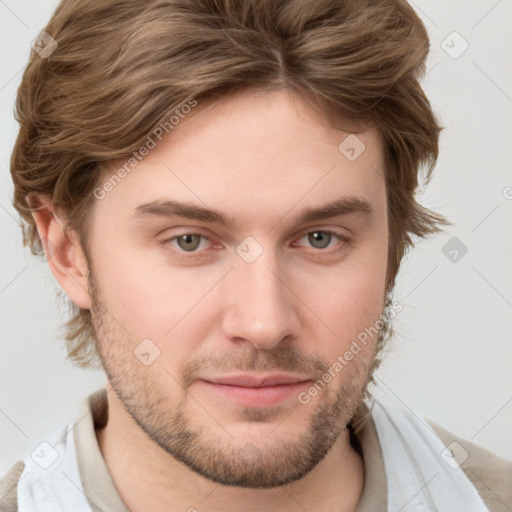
<point x="122" y="67"/>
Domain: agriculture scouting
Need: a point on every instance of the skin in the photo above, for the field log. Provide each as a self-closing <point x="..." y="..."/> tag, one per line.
<point x="261" y="157"/>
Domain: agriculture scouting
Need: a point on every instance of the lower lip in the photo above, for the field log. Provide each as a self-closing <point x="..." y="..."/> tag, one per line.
<point x="257" y="397"/>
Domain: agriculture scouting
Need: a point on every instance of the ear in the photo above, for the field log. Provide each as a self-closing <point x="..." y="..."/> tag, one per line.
<point x="62" y="249"/>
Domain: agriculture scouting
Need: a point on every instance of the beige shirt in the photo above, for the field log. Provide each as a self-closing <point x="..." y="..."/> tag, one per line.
<point x="491" y="475"/>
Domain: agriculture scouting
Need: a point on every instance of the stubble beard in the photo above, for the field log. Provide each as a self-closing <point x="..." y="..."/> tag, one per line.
<point x="260" y="463"/>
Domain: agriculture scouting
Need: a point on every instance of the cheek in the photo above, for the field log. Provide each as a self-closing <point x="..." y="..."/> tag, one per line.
<point x="349" y="308"/>
<point x="348" y="299"/>
<point x="152" y="299"/>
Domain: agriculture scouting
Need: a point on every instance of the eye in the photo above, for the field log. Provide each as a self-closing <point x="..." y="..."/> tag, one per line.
<point x="321" y="239"/>
<point x="193" y="245"/>
<point x="186" y="243"/>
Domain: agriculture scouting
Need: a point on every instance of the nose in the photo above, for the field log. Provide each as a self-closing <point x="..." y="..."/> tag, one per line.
<point x="262" y="306"/>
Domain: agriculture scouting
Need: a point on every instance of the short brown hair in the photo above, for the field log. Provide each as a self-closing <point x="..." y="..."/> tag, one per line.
<point x="123" y="66"/>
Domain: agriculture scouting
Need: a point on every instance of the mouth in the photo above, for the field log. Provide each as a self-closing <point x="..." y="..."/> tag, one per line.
<point x="257" y="390"/>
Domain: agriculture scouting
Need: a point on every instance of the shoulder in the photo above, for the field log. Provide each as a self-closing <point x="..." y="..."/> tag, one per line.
<point x="491" y="475"/>
<point x="8" y="488"/>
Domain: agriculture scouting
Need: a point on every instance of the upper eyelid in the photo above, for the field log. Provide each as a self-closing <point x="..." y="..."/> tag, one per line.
<point x="331" y="231"/>
<point x="339" y="236"/>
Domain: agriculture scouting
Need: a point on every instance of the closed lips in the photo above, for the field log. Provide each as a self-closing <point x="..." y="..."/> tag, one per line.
<point x="255" y="381"/>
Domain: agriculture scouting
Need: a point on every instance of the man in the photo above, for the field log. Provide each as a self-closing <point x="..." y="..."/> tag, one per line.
<point x="225" y="190"/>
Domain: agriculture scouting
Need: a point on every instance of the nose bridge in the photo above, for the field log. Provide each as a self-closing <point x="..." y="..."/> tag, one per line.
<point x="261" y="308"/>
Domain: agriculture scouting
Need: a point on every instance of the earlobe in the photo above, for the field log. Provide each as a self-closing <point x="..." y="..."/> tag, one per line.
<point x="62" y="249"/>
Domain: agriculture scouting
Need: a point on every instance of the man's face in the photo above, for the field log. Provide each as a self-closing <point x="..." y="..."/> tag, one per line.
<point x="269" y="294"/>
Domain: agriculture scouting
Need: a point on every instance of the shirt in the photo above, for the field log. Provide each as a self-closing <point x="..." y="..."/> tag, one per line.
<point x="490" y="474"/>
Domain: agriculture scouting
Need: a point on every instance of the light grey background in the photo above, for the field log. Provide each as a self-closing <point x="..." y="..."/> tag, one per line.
<point x="451" y="360"/>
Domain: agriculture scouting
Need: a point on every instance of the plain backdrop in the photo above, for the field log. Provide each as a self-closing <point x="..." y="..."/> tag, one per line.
<point x="451" y="358"/>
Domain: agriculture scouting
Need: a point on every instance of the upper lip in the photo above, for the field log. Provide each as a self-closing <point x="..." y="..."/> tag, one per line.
<point x="258" y="380"/>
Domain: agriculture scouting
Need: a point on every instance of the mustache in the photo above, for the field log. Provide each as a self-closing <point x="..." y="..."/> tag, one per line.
<point x="284" y="358"/>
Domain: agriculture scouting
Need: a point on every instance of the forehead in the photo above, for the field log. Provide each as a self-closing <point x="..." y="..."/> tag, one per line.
<point x="249" y="152"/>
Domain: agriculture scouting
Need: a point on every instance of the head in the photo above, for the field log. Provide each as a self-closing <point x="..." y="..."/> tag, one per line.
<point x="249" y="115"/>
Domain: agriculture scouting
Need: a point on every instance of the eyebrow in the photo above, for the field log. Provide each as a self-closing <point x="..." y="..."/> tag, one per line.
<point x="347" y="205"/>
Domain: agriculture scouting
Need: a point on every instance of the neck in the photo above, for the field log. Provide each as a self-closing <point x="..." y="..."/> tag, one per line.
<point x="148" y="478"/>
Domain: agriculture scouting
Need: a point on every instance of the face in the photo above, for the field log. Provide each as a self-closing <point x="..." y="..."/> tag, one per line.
<point x="272" y="284"/>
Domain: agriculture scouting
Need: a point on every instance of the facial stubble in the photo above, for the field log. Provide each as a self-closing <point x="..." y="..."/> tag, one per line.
<point x="261" y="463"/>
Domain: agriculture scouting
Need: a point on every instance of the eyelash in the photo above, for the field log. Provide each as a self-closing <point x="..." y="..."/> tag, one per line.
<point x="180" y="253"/>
